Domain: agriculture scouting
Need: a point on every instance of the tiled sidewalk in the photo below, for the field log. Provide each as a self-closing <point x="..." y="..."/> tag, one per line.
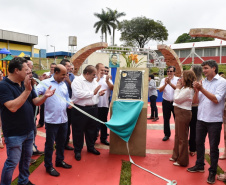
<point x="105" y="169"/>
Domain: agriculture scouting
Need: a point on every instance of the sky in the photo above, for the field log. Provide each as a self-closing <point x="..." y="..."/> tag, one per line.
<point x="63" y="18"/>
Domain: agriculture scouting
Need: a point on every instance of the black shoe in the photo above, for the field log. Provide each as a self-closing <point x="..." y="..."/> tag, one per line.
<point x="105" y="142"/>
<point x="196" y="168"/>
<point x="165" y="138"/>
<point x="78" y="156"/>
<point x="151" y="118"/>
<point x="155" y="119"/>
<point x="63" y="165"/>
<point x="39" y="126"/>
<point x="211" y="178"/>
<point x="52" y="172"/>
<point x="29" y="183"/>
<point x="67" y="147"/>
<point x="94" y="151"/>
<point x="37" y="152"/>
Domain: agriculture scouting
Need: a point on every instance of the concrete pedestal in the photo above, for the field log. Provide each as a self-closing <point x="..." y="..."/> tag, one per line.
<point x="137" y="142"/>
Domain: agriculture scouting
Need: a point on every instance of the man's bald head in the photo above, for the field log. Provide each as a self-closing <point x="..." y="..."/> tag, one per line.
<point x="60" y="73"/>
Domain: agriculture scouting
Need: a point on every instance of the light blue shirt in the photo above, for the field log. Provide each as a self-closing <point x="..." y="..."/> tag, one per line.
<point x="55" y="108"/>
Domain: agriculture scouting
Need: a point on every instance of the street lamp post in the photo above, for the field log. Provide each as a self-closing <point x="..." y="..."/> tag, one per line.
<point x="54" y="52"/>
<point x="47" y="43"/>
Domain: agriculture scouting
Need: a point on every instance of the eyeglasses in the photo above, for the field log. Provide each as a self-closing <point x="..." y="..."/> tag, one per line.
<point x="107" y="71"/>
<point x="170" y="71"/>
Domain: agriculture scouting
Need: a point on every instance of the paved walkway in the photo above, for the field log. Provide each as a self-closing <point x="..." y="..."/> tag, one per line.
<point x="105" y="169"/>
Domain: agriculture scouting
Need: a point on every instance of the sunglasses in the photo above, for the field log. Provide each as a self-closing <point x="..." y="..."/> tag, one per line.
<point x="170" y="71"/>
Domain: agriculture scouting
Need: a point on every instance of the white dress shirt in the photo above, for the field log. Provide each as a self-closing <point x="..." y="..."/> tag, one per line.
<point x="104" y="100"/>
<point x="209" y="111"/>
<point x="168" y="92"/>
<point x="83" y="92"/>
<point x="183" y="98"/>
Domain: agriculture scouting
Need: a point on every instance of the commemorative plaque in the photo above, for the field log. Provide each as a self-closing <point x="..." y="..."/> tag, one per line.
<point x="130" y="85"/>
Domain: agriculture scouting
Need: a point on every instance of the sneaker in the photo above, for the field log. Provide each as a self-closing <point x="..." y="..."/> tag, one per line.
<point x="32" y="161"/>
<point x="196" y="168"/>
<point x="211" y="178"/>
<point x="29" y="183"/>
<point x="176" y="164"/>
<point x="1" y="145"/>
<point x="171" y="159"/>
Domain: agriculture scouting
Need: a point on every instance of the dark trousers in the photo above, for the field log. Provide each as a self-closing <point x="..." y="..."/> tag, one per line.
<point x="154" y="109"/>
<point x="167" y="108"/>
<point x="41" y="119"/>
<point x="55" y="132"/>
<point x="192" y="125"/>
<point x="214" y="130"/>
<point x="83" y="125"/>
<point x="102" y="115"/>
<point x="69" y="127"/>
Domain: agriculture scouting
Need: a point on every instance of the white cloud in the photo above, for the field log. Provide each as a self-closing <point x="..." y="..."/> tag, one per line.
<point x="63" y="18"/>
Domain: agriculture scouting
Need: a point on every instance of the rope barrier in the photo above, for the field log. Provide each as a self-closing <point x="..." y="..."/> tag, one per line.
<point x="168" y="181"/>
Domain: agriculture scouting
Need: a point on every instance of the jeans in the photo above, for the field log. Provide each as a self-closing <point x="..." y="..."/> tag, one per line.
<point x="19" y="150"/>
<point x="214" y="130"/>
<point x="58" y="133"/>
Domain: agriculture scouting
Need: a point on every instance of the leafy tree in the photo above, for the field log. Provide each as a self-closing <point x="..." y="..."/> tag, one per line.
<point x="104" y="23"/>
<point x="114" y="16"/>
<point x="140" y="30"/>
<point x="185" y="37"/>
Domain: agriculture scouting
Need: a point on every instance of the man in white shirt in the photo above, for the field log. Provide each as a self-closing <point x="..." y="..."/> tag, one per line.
<point x="103" y="105"/>
<point x="210" y="94"/>
<point x="85" y="95"/>
<point x="168" y="85"/>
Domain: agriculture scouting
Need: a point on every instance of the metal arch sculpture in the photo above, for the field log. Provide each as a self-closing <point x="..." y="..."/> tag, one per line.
<point x="208" y="32"/>
<point x="80" y="56"/>
<point x="171" y="58"/>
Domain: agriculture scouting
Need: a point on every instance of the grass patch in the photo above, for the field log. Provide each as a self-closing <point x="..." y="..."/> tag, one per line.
<point x="40" y="72"/>
<point x="219" y="169"/>
<point x="31" y="168"/>
<point x="125" y="177"/>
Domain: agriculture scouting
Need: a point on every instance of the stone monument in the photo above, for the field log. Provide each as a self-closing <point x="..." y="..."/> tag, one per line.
<point x="131" y="84"/>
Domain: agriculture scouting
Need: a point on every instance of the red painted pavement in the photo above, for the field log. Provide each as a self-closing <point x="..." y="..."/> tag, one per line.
<point x="105" y="169"/>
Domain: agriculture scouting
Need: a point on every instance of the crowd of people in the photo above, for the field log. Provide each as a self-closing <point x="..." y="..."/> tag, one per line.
<point x="198" y="104"/>
<point x="195" y="102"/>
<point x="20" y="95"/>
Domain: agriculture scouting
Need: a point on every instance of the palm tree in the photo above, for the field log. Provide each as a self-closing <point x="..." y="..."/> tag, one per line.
<point x="104" y="23"/>
<point x="114" y="16"/>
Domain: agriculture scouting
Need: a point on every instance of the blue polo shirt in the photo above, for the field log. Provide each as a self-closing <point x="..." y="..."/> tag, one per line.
<point x="20" y="122"/>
